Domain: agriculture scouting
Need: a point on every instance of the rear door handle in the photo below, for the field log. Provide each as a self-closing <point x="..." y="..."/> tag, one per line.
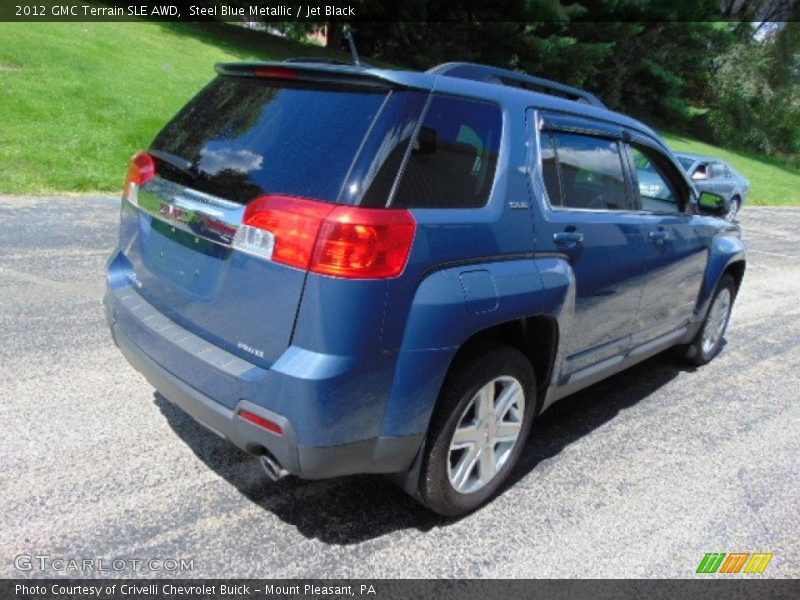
<point x="570" y="239"/>
<point x="658" y="236"/>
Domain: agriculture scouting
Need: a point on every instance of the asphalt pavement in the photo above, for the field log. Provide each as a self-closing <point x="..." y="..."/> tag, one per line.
<point x="638" y="476"/>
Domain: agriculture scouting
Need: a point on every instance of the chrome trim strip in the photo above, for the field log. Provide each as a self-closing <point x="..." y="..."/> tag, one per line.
<point x="202" y="215"/>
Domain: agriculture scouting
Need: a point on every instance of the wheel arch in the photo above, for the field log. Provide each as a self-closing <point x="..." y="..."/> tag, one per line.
<point x="736" y="270"/>
<point x="727" y="256"/>
<point x="536" y="336"/>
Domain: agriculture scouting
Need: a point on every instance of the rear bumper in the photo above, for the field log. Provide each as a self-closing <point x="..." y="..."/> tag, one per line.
<point x="374" y="455"/>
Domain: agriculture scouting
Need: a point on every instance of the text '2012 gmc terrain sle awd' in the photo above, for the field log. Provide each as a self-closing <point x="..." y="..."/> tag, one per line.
<point x="345" y="270"/>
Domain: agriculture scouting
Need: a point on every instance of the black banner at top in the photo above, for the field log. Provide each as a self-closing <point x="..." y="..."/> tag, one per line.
<point x="314" y="11"/>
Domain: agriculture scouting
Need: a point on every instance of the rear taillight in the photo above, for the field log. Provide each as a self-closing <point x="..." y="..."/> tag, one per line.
<point x="364" y="242"/>
<point x="344" y="241"/>
<point x="141" y="170"/>
<point x="291" y="225"/>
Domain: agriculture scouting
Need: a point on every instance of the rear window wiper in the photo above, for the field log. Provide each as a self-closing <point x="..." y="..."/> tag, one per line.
<point x="186" y="167"/>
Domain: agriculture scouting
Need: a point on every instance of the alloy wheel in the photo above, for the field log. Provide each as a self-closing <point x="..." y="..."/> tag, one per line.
<point x="486" y="434"/>
<point x="717" y="318"/>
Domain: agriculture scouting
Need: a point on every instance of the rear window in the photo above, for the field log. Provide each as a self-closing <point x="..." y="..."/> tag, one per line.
<point x="243" y="137"/>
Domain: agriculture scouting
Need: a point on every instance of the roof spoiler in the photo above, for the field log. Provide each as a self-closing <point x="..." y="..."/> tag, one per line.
<point x="311" y="71"/>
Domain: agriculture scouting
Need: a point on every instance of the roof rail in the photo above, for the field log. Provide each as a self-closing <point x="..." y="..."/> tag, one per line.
<point x="500" y="76"/>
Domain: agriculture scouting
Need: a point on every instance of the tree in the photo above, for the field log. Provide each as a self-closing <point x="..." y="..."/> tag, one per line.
<point x="757" y="92"/>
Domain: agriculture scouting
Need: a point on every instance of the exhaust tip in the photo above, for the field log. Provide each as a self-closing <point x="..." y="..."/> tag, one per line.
<point x="272" y="467"/>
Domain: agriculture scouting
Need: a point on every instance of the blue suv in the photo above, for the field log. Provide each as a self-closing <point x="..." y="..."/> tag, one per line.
<point x="344" y="269"/>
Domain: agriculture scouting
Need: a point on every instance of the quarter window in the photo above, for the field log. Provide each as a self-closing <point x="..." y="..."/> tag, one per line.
<point x="583" y="172"/>
<point x="454" y="156"/>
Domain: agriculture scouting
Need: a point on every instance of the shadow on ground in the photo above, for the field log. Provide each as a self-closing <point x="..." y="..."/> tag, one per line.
<point x="354" y="509"/>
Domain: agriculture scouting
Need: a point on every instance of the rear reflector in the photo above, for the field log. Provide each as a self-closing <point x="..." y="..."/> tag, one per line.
<point x="261" y="422"/>
<point x="141" y="170"/>
<point x="343" y="241"/>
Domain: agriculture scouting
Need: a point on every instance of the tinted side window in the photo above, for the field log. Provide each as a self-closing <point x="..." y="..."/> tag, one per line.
<point x="590" y="173"/>
<point x="657" y="189"/>
<point x="454" y="156"/>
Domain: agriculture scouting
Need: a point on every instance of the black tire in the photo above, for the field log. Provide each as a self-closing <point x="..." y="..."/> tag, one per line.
<point x="696" y="353"/>
<point x="462" y="384"/>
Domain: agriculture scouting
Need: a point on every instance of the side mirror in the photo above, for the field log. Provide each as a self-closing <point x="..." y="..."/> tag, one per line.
<point x="700" y="175"/>
<point x="709" y="203"/>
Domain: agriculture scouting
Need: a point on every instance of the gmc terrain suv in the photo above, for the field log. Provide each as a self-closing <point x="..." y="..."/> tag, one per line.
<point x="345" y="269"/>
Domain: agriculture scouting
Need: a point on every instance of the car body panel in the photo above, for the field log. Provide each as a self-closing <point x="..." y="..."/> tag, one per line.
<point x="354" y="367"/>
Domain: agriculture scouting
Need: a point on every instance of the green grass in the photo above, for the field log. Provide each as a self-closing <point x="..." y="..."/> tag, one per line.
<point x="773" y="181"/>
<point x="78" y="99"/>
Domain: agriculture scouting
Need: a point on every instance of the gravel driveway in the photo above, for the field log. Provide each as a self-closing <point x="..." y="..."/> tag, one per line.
<point x="638" y="476"/>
